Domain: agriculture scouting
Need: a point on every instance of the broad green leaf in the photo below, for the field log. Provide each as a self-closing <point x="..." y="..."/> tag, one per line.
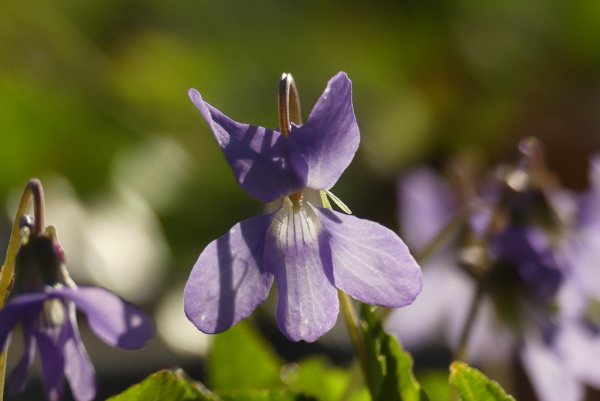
<point x="473" y="385"/>
<point x="241" y="359"/>
<point x="435" y="383"/>
<point x="390" y="368"/>
<point x="165" y="385"/>
<point x="316" y="377"/>
<point x="265" y="395"/>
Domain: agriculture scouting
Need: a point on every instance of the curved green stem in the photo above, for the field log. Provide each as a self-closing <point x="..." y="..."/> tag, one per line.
<point x="33" y="191"/>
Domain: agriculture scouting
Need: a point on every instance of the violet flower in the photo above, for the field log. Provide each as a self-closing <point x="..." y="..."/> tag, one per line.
<point x="46" y="307"/>
<point x="560" y="366"/>
<point x="310" y="250"/>
<point x="521" y="283"/>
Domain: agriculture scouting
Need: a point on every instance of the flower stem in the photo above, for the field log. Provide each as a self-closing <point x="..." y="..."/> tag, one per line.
<point x="453" y="225"/>
<point x="288" y="105"/>
<point x="33" y="191"/>
<point x="352" y="324"/>
<point x="461" y="350"/>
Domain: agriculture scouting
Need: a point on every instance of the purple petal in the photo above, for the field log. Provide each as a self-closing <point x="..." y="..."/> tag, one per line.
<point x="266" y="164"/>
<point x="589" y="202"/>
<point x="426" y="205"/>
<point x="19" y="376"/>
<point x="113" y="320"/>
<point x="529" y="250"/>
<point x="582" y="253"/>
<point x="15" y="310"/>
<point x="298" y="254"/>
<point x="549" y="378"/>
<point x="581" y="348"/>
<point x="53" y="364"/>
<point x="446" y="291"/>
<point x="330" y="137"/>
<point x="228" y="281"/>
<point x="370" y="262"/>
<point x="78" y="367"/>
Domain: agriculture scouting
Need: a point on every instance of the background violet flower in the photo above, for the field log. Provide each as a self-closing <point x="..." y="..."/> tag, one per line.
<point x="46" y="310"/>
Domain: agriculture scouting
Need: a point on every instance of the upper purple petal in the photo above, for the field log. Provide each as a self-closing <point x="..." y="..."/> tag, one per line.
<point x="15" y="310"/>
<point x="78" y="367"/>
<point x="298" y="254"/>
<point x="370" y="262"/>
<point x="114" y="321"/>
<point x="266" y="164"/>
<point x="330" y="137"/>
<point x="228" y="281"/>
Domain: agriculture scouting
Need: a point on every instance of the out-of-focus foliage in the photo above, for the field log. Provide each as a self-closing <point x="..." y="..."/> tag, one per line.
<point x="241" y="359"/>
<point x="472" y="385"/>
<point x="241" y="362"/>
<point x="164" y="385"/>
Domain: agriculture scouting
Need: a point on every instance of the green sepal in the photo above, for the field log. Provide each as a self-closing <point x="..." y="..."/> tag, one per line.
<point x="472" y="385"/>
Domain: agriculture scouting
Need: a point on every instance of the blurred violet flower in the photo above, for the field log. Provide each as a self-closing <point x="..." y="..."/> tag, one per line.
<point x="45" y="307"/>
<point x="560" y="365"/>
<point x="527" y="275"/>
<point x="426" y="203"/>
<point x="309" y="249"/>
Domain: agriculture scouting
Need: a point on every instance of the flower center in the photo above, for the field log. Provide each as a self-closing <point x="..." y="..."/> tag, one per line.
<point x="295" y="199"/>
<point x="53" y="314"/>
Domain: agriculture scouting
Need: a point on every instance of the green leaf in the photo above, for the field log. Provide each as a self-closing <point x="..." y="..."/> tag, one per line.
<point x="241" y="359"/>
<point x="316" y="377"/>
<point x="473" y="385"/>
<point x="265" y="395"/>
<point x="390" y="368"/>
<point x="165" y="385"/>
<point x="372" y="333"/>
<point x="436" y="385"/>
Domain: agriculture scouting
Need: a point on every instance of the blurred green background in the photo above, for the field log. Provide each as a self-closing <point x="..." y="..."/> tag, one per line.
<point x="93" y="102"/>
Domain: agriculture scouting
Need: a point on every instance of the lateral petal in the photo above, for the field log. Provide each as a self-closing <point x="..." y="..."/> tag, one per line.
<point x="266" y="164"/>
<point x="19" y="376"/>
<point x="53" y="363"/>
<point x="17" y="308"/>
<point x="370" y="262"/>
<point x="298" y="254"/>
<point x="78" y="367"/>
<point x="229" y="281"/>
<point x="113" y="320"/>
<point x="330" y="137"/>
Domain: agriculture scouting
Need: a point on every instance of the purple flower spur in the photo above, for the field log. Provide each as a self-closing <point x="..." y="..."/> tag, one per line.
<point x="45" y="307"/>
<point x="309" y="249"/>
